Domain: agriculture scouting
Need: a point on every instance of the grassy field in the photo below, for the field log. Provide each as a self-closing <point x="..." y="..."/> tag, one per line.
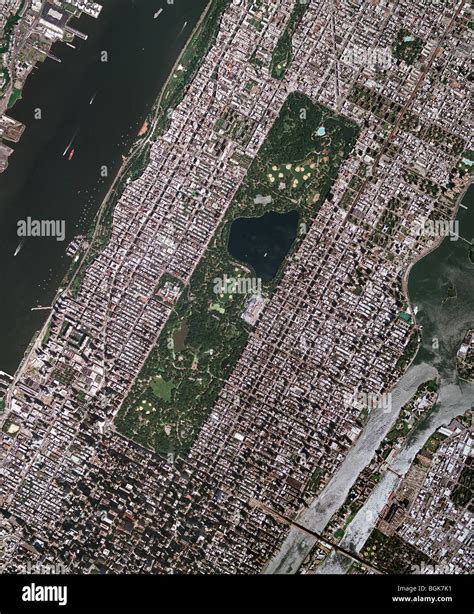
<point x="466" y="164"/>
<point x="299" y="160"/>
<point x="14" y="97"/>
<point x="205" y="334"/>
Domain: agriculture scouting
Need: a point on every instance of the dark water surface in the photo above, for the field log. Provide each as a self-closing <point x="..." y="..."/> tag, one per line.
<point x="445" y="320"/>
<point x="40" y="182"/>
<point x="263" y="242"/>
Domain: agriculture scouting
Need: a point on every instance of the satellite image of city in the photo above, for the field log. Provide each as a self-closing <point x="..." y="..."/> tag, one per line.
<point x="237" y="303"/>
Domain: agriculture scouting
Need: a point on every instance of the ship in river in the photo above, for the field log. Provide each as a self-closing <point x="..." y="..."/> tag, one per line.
<point x="19" y="246"/>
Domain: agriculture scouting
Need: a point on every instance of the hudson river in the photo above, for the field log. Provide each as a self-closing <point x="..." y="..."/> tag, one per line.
<point x="40" y="182"/>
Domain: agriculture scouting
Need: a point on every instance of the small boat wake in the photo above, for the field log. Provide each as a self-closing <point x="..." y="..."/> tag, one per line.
<point x="69" y="145"/>
<point x="19" y="246"/>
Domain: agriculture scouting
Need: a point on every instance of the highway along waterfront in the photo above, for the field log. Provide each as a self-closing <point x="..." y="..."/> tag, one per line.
<point x="444" y="322"/>
<point x="95" y="108"/>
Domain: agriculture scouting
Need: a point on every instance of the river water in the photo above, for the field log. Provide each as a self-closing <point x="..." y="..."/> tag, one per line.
<point x="298" y="544"/>
<point x="445" y="320"/>
<point x="40" y="182"/>
<point x="444" y="323"/>
<point x="454" y="400"/>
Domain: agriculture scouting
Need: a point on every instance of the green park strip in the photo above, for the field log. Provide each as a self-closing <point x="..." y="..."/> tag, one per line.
<point x="282" y="55"/>
<point x="189" y="62"/>
<point x="206" y="334"/>
<point x="14" y="98"/>
<point x="193" y="53"/>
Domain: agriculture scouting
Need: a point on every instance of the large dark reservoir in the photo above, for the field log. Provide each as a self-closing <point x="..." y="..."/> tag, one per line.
<point x="441" y="286"/>
<point x="263" y="242"/>
<point x="102" y="105"/>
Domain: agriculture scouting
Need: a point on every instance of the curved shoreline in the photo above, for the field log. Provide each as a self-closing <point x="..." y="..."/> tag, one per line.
<point x="135" y="150"/>
<point x="427" y="251"/>
<point x="297" y="545"/>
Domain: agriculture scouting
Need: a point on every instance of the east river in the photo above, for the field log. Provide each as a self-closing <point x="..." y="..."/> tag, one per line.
<point x="444" y="322"/>
<point x="100" y="106"/>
